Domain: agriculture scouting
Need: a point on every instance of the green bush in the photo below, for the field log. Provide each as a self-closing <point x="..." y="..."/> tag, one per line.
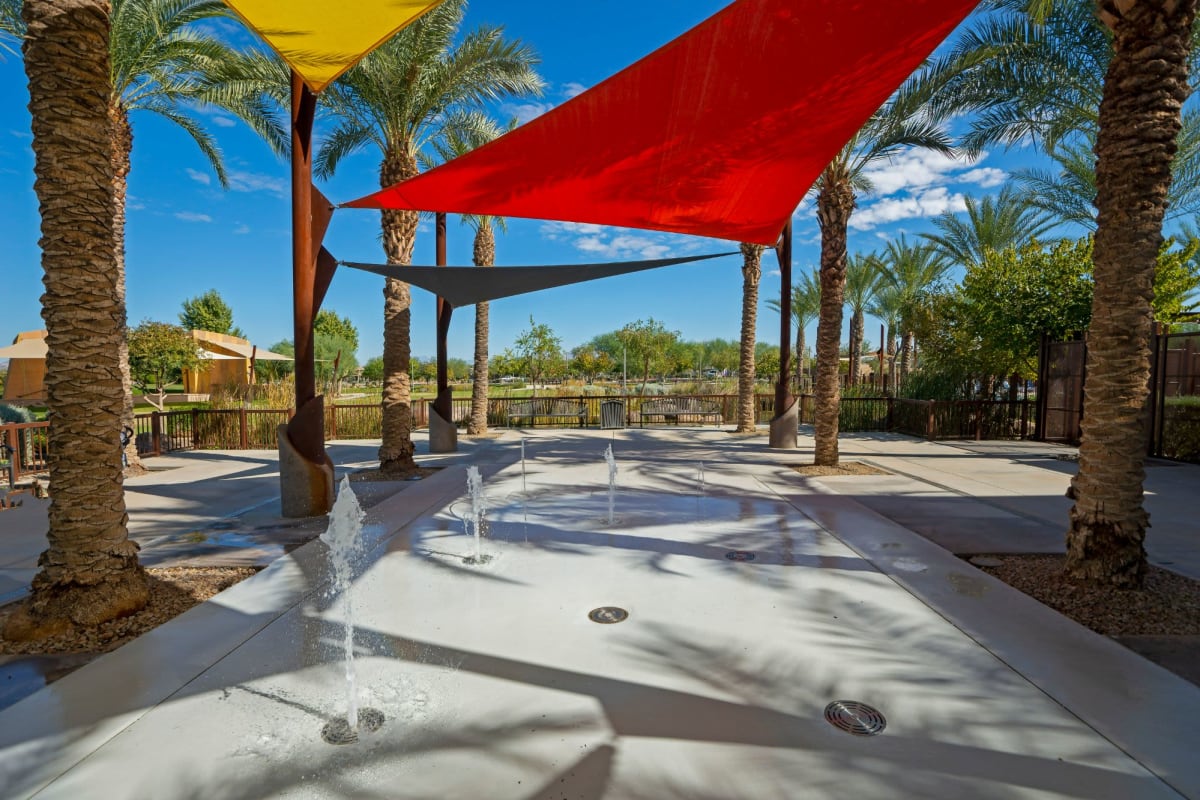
<point x="14" y="414"/>
<point x="1181" y="428"/>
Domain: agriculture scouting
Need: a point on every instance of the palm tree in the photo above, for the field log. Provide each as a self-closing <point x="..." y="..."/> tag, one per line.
<point x="1140" y="119"/>
<point x="396" y="99"/>
<point x="993" y="223"/>
<point x="89" y="571"/>
<point x="885" y="306"/>
<point x="911" y="271"/>
<point x="11" y="25"/>
<point x="806" y="306"/>
<point x="862" y="279"/>
<point x="163" y="63"/>
<point x="1070" y="194"/>
<point x="751" y="274"/>
<point x="463" y="132"/>
<point x="1051" y="70"/>
<point x="900" y="124"/>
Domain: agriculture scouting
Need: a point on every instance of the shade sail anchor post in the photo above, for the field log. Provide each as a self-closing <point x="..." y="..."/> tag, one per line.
<point x="785" y="425"/>
<point x="305" y="470"/>
<point x="443" y="433"/>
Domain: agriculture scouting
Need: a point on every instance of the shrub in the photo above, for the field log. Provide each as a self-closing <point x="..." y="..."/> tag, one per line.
<point x="14" y="414"/>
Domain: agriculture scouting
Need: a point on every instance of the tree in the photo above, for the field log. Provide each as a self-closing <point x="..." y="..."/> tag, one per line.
<point x="994" y="223"/>
<point x="1069" y="195"/>
<point x="373" y="369"/>
<point x="902" y="123"/>
<point x="912" y="270"/>
<point x="158" y="352"/>
<point x="1121" y="72"/>
<point x="278" y="370"/>
<point x="397" y="99"/>
<point x="751" y="274"/>
<point x="806" y="306"/>
<point x="766" y="359"/>
<point x="1140" y="119"/>
<point x="164" y="63"/>
<point x="862" y="279"/>
<point x="538" y="349"/>
<point x="208" y="312"/>
<point x="589" y="362"/>
<point x="334" y="361"/>
<point x="463" y="132"/>
<point x="89" y="572"/>
<point x="647" y="342"/>
<point x="330" y="324"/>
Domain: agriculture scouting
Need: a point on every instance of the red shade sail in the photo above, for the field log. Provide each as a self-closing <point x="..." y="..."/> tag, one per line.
<point x="718" y="133"/>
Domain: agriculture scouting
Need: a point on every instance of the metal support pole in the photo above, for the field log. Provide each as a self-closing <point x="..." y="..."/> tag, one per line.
<point x="783" y="251"/>
<point x="307" y="439"/>
<point x="444" y="402"/>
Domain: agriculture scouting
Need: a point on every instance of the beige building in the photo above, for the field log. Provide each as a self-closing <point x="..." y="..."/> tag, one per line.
<point x="26" y="382"/>
<point x="231" y="361"/>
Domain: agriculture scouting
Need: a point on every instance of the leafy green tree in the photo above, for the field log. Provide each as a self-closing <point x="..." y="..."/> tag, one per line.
<point x="277" y="370"/>
<point x="397" y="99"/>
<point x="588" y="362"/>
<point x="766" y="360"/>
<point x="373" y="369"/>
<point x="648" y="342"/>
<point x="539" y="351"/>
<point x="158" y="353"/>
<point x="330" y="324"/>
<point x="208" y="312"/>
<point x="335" y="361"/>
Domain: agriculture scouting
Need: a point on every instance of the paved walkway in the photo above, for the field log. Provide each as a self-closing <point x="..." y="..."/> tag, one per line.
<point x="755" y="597"/>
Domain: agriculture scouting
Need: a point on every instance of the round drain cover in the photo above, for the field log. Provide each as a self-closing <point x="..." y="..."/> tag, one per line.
<point x="607" y="615"/>
<point x="338" y="731"/>
<point x="740" y="555"/>
<point x="853" y="717"/>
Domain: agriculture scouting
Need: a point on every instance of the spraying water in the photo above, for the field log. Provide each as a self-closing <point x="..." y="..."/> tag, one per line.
<point x="478" y="507"/>
<point x="344" y="538"/>
<point x="612" y="482"/>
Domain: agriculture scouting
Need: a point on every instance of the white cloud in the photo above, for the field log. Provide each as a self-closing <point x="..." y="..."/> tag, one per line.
<point x="224" y="122"/>
<point x="192" y="216"/>
<point x="986" y="177"/>
<point x="604" y="241"/>
<point x="240" y="181"/>
<point x="198" y="176"/>
<point x="929" y="203"/>
<point x="241" y="229"/>
<point x="774" y="273"/>
<point x="573" y="89"/>
<point x="525" y="111"/>
<point x="912" y="169"/>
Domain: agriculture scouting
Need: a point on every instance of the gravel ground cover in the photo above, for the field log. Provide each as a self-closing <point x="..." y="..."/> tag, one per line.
<point x="1168" y="604"/>
<point x="173" y="590"/>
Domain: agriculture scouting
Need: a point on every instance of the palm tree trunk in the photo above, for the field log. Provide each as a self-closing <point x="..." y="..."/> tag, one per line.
<point x="485" y="256"/>
<point x="1144" y="92"/>
<point x="834" y="206"/>
<point x="751" y="274"/>
<point x="801" y="343"/>
<point x="122" y="147"/>
<point x="399" y="236"/>
<point x="89" y="571"/>
<point x="857" y="326"/>
<point x="893" y="365"/>
<point x="905" y="355"/>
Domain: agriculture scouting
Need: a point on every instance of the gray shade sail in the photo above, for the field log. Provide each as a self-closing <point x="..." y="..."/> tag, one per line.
<point x="465" y="286"/>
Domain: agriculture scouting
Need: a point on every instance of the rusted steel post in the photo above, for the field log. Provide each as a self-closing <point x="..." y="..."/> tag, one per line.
<point x="443" y="403"/>
<point x="307" y="438"/>
<point x="783" y="252"/>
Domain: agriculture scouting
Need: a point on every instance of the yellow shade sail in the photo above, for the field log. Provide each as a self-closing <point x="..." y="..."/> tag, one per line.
<point x="321" y="40"/>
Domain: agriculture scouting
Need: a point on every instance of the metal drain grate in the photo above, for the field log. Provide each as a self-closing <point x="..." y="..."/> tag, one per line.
<point x="854" y="717"/>
<point x="740" y="555"/>
<point x="607" y="615"/>
<point x="338" y="731"/>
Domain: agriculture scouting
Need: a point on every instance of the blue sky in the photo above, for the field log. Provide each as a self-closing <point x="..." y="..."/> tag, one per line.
<point x="185" y="235"/>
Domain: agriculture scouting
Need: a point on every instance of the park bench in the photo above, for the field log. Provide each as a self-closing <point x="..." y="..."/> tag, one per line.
<point x="682" y="409"/>
<point x="546" y="408"/>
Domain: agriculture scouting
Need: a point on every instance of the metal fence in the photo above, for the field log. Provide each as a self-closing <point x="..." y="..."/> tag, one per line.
<point x="25" y="444"/>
